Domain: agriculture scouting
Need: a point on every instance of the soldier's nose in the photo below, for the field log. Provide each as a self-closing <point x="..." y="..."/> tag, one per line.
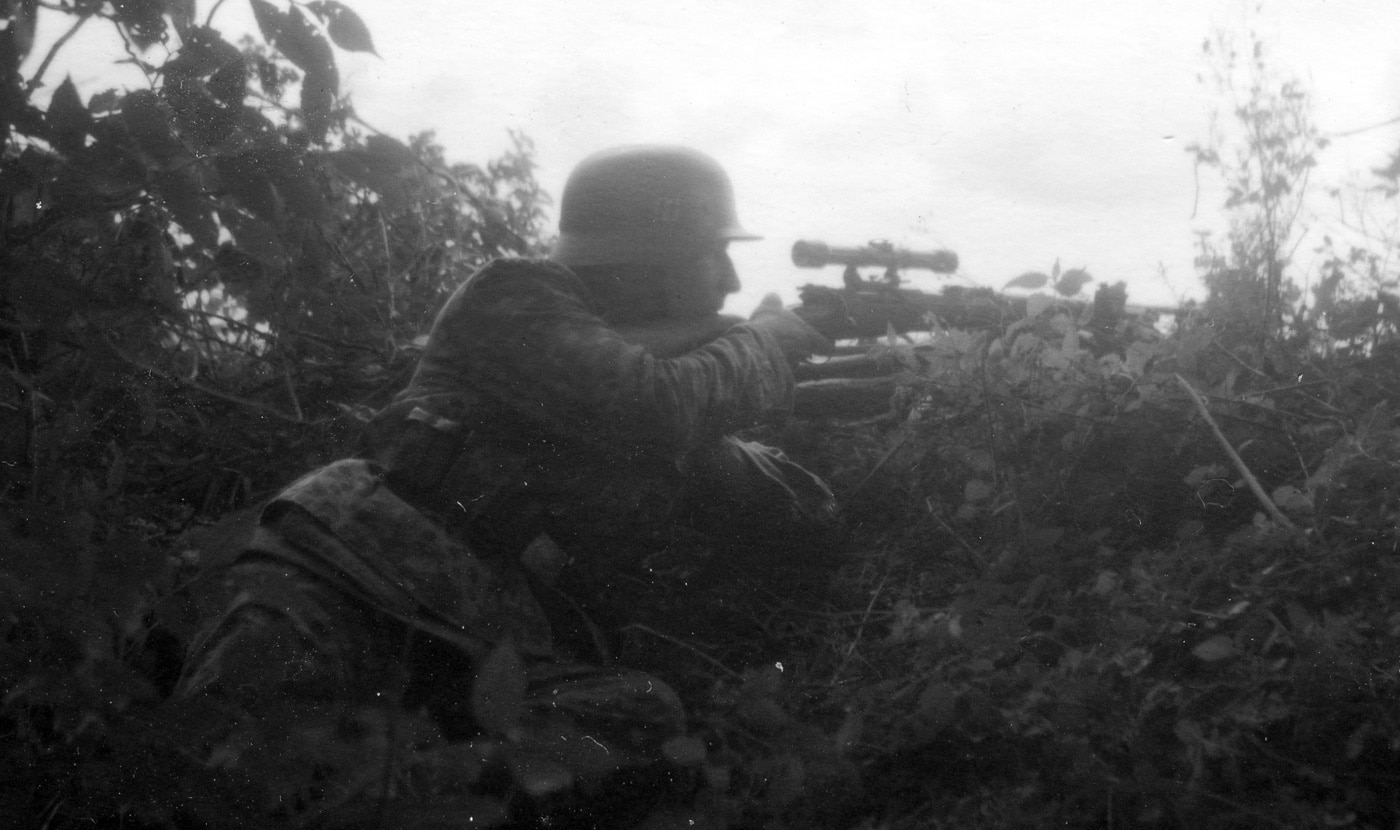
<point x="730" y="277"/>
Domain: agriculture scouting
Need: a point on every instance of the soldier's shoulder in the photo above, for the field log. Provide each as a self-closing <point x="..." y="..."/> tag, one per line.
<point x="520" y="272"/>
<point x="503" y="289"/>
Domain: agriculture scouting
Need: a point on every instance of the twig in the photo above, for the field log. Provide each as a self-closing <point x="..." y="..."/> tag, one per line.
<point x="53" y="52"/>
<point x="972" y="553"/>
<point x="199" y="387"/>
<point x="646" y="629"/>
<point x="344" y="262"/>
<point x="1236" y="358"/>
<point x="452" y="181"/>
<point x="1254" y="485"/>
<point x="209" y="19"/>
<point x="292" y="390"/>
<point x="131" y="52"/>
<point x="855" y="491"/>
<point x="851" y="649"/>
<point x="1240" y="807"/>
<point x="1359" y="130"/>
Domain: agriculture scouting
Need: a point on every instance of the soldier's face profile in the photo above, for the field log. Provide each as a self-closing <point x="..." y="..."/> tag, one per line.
<point x="699" y="285"/>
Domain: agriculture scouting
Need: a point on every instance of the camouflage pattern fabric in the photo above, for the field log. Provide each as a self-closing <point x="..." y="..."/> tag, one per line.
<point x="348" y="597"/>
<point x="364" y="587"/>
<point x="565" y="426"/>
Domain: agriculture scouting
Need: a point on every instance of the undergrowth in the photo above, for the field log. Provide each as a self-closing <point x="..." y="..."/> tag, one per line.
<point x="1099" y="579"/>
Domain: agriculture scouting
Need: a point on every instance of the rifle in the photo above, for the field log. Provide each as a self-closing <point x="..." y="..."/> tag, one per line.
<point x="857" y="380"/>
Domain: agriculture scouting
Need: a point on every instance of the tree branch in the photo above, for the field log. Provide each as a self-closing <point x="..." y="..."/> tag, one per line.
<point x="34" y="82"/>
<point x="1254" y="485"/>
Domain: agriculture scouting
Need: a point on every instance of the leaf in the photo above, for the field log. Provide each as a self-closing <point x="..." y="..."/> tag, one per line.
<point x="68" y="119"/>
<point x="977" y="490"/>
<point x="108" y="100"/>
<point x="244" y="177"/>
<point x="44" y="294"/>
<point x="1204" y="473"/>
<point x="271" y="20"/>
<point x="369" y="171"/>
<point x="1217" y="648"/>
<point x="937" y="706"/>
<point x="189" y="206"/>
<point x="230" y="84"/>
<point x="112" y="171"/>
<point x="202" y="120"/>
<point x="685" y="750"/>
<point x="1291" y="499"/>
<point x="1138" y="355"/>
<point x="304" y="46"/>
<point x="345" y="27"/>
<point x="318" y="90"/>
<point x="149" y="122"/>
<point x="203" y="53"/>
<point x="301" y="196"/>
<point x="1044" y="538"/>
<point x="1106" y="583"/>
<point x="390" y="154"/>
<point x="1037" y="304"/>
<point x="144" y="20"/>
<point x="539" y="776"/>
<point x="1030" y="279"/>
<point x="1072" y="281"/>
<point x="18" y="38"/>
<point x="498" y="693"/>
<point x="1070" y="342"/>
<point x="255" y="238"/>
<point x="182" y="14"/>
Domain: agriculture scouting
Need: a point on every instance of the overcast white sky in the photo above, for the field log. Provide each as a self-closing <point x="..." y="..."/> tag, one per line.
<point x="1012" y="132"/>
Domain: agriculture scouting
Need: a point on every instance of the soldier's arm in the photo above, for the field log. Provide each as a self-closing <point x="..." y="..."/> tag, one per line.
<point x="672" y="338"/>
<point x="538" y="350"/>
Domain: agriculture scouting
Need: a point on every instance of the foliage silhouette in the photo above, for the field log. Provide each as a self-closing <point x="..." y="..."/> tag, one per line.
<point x="1057" y="602"/>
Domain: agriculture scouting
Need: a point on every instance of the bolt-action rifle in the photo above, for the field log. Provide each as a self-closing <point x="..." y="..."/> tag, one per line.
<point x="871" y="307"/>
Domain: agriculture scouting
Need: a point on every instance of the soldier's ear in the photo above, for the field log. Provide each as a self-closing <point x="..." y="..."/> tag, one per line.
<point x="629" y="293"/>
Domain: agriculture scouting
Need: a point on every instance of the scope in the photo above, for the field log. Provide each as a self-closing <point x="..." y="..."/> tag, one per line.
<point x="812" y="254"/>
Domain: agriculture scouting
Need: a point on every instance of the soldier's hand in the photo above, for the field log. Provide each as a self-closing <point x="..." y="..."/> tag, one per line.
<point x="798" y="340"/>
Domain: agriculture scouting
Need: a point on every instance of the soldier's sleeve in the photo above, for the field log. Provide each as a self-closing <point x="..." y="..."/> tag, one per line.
<point x="543" y="352"/>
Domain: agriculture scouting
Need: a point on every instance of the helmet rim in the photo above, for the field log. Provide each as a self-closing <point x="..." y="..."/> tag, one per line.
<point x="644" y="203"/>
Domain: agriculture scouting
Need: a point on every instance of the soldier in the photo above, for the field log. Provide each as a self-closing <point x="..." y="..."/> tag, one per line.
<point x="591" y="397"/>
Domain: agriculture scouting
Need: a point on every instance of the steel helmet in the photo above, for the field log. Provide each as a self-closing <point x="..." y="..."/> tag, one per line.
<point x="644" y="203"/>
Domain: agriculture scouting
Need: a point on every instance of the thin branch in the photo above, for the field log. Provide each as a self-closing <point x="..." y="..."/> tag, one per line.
<point x="199" y="387"/>
<point x="209" y="19"/>
<point x="879" y="464"/>
<point x="53" y="52"/>
<point x="1254" y="485"/>
<point x="865" y="619"/>
<point x="681" y="643"/>
<point x="1359" y="130"/>
<point x="292" y="390"/>
<point x="132" y="52"/>
<point x="388" y="262"/>
<point x="973" y="556"/>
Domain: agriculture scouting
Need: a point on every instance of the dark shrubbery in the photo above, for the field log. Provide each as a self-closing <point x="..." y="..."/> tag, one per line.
<point x="1059" y="601"/>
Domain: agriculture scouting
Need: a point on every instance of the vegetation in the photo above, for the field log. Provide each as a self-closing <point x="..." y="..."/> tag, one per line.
<point x="1089" y="578"/>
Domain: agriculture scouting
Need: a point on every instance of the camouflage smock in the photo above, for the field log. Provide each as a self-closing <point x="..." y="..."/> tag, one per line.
<point x="350" y="612"/>
<point x="569" y="428"/>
